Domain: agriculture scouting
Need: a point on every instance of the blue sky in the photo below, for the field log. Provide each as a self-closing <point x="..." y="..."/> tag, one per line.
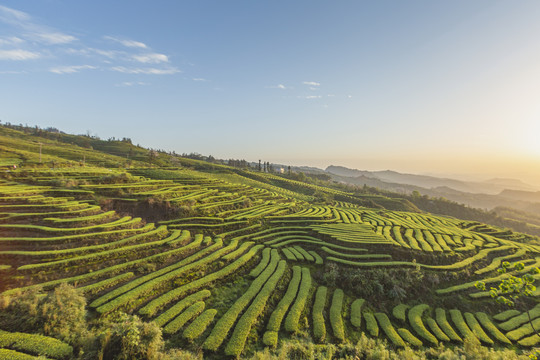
<point x="448" y="87"/>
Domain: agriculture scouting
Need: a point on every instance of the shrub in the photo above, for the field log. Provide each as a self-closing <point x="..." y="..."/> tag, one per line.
<point x="389" y="330"/>
<point x="336" y="320"/>
<point x="462" y="327"/>
<point x="291" y="321"/>
<point x="415" y="319"/>
<point x="223" y="326"/>
<point x="128" y="338"/>
<point x="242" y="329"/>
<point x="274" y="323"/>
<point x="400" y="312"/>
<point x="319" y="327"/>
<point x="180" y="306"/>
<point x="36" y="344"/>
<point x="491" y="328"/>
<point x="356" y="312"/>
<point x="477" y="329"/>
<point x="178" y="322"/>
<point x="410" y="338"/>
<point x="371" y="324"/>
<point x="199" y="325"/>
<point x="445" y="326"/>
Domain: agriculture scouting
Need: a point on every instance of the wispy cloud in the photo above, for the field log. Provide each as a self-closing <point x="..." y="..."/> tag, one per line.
<point x="24" y="38"/>
<point x="127" y="42"/>
<point x="32" y="30"/>
<point x="71" y="69"/>
<point x="11" y="40"/>
<point x="152" y="58"/>
<point x="147" y="71"/>
<point x="279" y="86"/>
<point x="200" y="79"/>
<point x="131" y="83"/>
<point x="310" y="97"/>
<point x="18" y="55"/>
<point x="54" y="38"/>
<point x="311" y="83"/>
<point x="12" y="16"/>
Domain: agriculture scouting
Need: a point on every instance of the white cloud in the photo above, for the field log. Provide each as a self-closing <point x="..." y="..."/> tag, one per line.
<point x="151" y="58"/>
<point x="279" y="86"/>
<point x="311" y="83"/>
<point x="148" y="71"/>
<point x="310" y="97"/>
<point x="71" y="69"/>
<point x="12" y="40"/>
<point x="331" y="95"/>
<point x="12" y="15"/>
<point x="127" y="43"/>
<point x="349" y="96"/>
<point x="12" y="72"/>
<point x="199" y="79"/>
<point x="18" y="55"/>
<point x="54" y="38"/>
<point x="32" y="30"/>
<point x="131" y="83"/>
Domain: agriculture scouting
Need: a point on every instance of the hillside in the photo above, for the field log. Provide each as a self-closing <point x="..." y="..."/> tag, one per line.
<point x="228" y="261"/>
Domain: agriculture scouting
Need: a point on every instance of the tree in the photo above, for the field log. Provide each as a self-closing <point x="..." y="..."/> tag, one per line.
<point x="129" y="338"/>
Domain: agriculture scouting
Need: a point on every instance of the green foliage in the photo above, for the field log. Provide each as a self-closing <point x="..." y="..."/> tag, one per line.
<point x="224" y="325"/>
<point x="199" y="325"/>
<point x="319" y="327"/>
<point x="410" y="338"/>
<point x="126" y="337"/>
<point x="274" y="323"/>
<point x="400" y="312"/>
<point x="176" y="309"/>
<point x="512" y="287"/>
<point x="415" y="320"/>
<point x="64" y="313"/>
<point x="262" y="264"/>
<point x="249" y="318"/>
<point x="507" y="314"/>
<point x="483" y="318"/>
<point x="520" y="319"/>
<point x="60" y="313"/>
<point x="389" y="330"/>
<point x="462" y="326"/>
<point x="178" y="322"/>
<point x="440" y="315"/>
<point x="35" y="344"/>
<point x="336" y="318"/>
<point x="356" y="312"/>
<point x="291" y="321"/>
<point x="162" y="277"/>
<point x="6" y="354"/>
<point x="270" y="338"/>
<point x="476" y="328"/>
<point x="371" y="324"/>
<point x="153" y="306"/>
<point x="436" y="330"/>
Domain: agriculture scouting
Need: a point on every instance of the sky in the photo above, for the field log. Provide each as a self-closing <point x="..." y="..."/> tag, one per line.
<point x="432" y="87"/>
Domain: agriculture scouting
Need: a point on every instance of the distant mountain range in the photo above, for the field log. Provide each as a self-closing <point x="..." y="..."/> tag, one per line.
<point x="493" y="186"/>
<point x="487" y="194"/>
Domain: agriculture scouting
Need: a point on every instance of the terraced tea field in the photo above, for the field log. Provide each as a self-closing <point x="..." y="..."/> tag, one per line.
<point x="236" y="262"/>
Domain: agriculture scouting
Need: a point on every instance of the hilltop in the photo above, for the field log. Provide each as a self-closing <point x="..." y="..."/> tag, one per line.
<point x="227" y="259"/>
